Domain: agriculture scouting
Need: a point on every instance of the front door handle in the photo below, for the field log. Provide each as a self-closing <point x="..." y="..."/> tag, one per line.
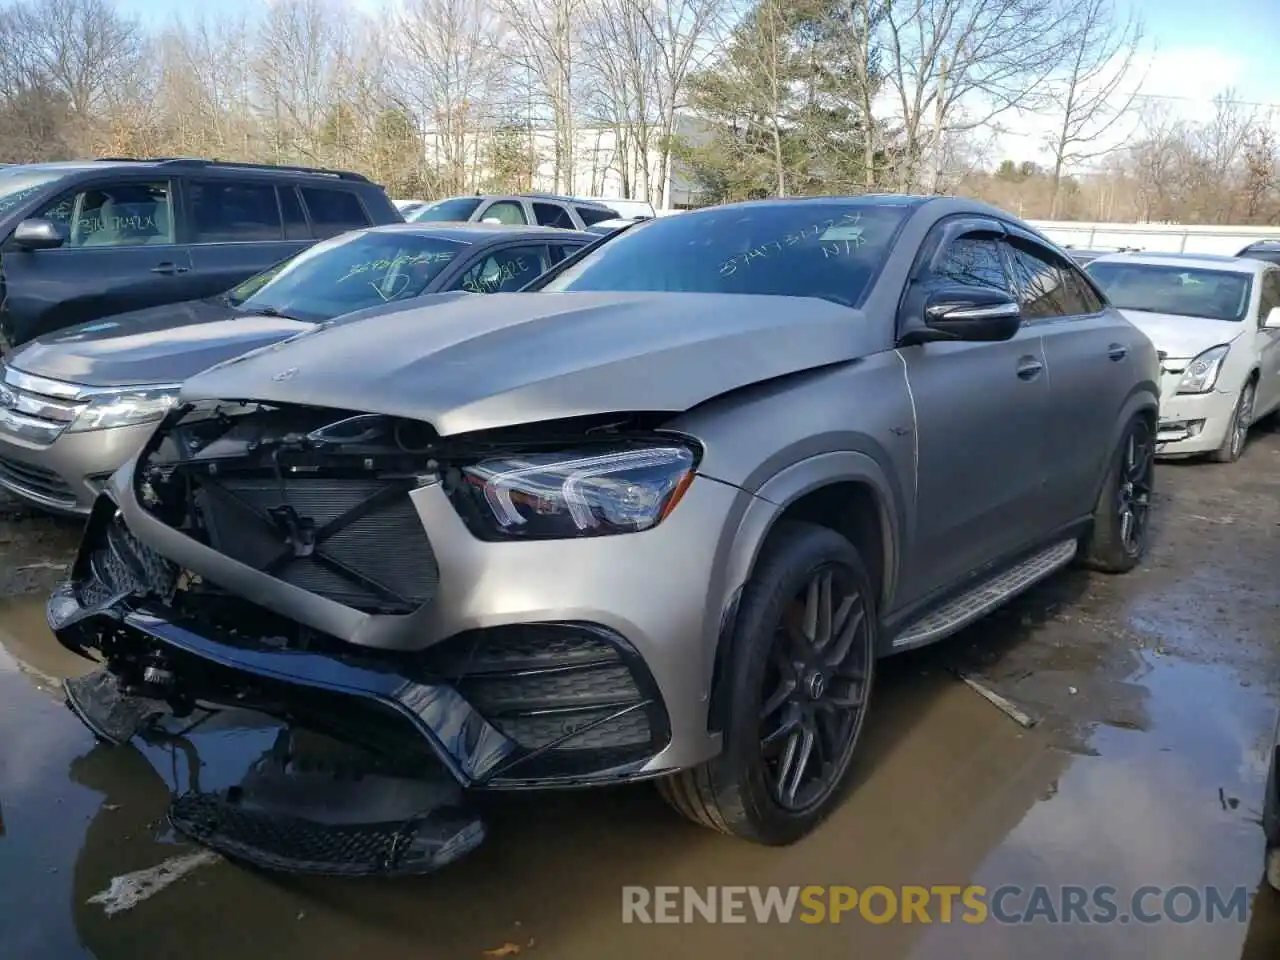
<point x="1117" y="351"/>
<point x="1029" y="368"/>
<point x="169" y="268"/>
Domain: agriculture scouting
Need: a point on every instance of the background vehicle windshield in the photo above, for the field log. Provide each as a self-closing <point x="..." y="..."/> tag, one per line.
<point x="345" y="274"/>
<point x="1175" y="289"/>
<point x="828" y="250"/>
<point x="19" y="184"/>
<point x="455" y="208"/>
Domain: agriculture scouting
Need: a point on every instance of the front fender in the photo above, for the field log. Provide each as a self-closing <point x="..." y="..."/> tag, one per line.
<point x="768" y="505"/>
<point x="787" y="486"/>
<point x="1140" y="400"/>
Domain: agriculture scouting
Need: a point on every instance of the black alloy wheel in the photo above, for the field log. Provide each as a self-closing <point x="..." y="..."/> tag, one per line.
<point x="815" y="690"/>
<point x="1133" y="494"/>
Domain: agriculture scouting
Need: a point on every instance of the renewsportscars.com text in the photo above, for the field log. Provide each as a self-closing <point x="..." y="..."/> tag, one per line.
<point x="934" y="904"/>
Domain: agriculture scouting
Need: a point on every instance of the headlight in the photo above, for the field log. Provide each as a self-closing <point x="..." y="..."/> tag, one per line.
<point x="579" y="493"/>
<point x="125" y="408"/>
<point x="1202" y="372"/>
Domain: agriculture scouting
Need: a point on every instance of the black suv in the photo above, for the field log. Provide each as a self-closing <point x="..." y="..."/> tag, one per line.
<point x="1268" y="250"/>
<point x="87" y="239"/>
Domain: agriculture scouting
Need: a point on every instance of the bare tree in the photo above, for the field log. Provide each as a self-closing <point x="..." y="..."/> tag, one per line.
<point x="85" y="50"/>
<point x="621" y="83"/>
<point x="302" y="51"/>
<point x="1088" y="95"/>
<point x="956" y="65"/>
<point x="548" y="40"/>
<point x="447" y="67"/>
<point x="679" y="31"/>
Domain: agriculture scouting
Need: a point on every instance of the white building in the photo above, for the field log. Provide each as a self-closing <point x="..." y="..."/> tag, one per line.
<point x="601" y="167"/>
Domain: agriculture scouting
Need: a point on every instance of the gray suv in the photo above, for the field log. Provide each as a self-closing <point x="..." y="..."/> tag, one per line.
<point x="86" y="239"/>
<point x="656" y="517"/>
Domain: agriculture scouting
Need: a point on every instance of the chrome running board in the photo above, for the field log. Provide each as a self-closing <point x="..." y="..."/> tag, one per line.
<point x="985" y="597"/>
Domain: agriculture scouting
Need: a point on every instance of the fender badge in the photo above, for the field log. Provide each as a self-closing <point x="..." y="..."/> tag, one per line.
<point x="285" y="374"/>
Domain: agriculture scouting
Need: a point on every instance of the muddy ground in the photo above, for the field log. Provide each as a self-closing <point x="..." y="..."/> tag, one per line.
<point x="1153" y="697"/>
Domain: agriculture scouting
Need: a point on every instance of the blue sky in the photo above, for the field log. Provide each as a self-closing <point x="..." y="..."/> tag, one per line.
<point x="1246" y="32"/>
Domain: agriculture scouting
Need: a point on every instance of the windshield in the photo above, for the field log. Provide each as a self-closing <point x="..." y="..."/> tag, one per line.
<point x="348" y="273"/>
<point x="455" y="208"/>
<point x="20" y="184"/>
<point x="1174" y="288"/>
<point x="806" y="249"/>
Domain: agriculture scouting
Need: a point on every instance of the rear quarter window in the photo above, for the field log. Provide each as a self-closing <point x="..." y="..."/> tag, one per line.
<point x="333" y="211"/>
<point x="592" y="215"/>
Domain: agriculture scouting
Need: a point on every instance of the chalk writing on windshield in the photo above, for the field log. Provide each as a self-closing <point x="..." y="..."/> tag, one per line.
<point x="490" y="284"/>
<point x="11" y="200"/>
<point x="836" y="237"/>
<point x="394" y="263"/>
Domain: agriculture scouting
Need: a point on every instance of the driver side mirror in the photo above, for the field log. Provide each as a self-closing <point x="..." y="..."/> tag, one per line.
<point x="1272" y="322"/>
<point x="38" y="235"/>
<point x="962" y="312"/>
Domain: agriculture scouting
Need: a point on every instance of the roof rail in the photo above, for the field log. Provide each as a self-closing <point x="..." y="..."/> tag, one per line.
<point x="196" y="162"/>
<point x="563" y="198"/>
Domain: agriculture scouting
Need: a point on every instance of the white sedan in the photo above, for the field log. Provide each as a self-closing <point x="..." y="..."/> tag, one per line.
<point x="1216" y="322"/>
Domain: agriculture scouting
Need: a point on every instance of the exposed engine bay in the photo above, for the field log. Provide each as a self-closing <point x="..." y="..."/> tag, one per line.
<point x="320" y="500"/>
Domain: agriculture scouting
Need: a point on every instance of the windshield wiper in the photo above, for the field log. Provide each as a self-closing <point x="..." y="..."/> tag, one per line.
<point x="273" y="312"/>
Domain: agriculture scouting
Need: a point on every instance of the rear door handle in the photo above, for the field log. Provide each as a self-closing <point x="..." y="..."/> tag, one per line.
<point x="1029" y="368"/>
<point x="1117" y="351"/>
<point x="169" y="268"/>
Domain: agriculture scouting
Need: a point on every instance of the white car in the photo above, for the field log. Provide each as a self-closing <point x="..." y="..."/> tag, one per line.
<point x="1216" y="322"/>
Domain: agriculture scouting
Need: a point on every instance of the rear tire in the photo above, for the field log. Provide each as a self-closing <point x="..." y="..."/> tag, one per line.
<point x="1117" y="540"/>
<point x="1237" y="437"/>
<point x="798" y="678"/>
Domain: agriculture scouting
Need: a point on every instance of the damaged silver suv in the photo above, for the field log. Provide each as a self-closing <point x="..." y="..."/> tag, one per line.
<point x="655" y="518"/>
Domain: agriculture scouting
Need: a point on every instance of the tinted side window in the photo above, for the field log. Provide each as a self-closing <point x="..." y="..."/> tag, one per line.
<point x="295" y="221"/>
<point x="333" y="211"/>
<point x="1079" y="292"/>
<point x="974" y="260"/>
<point x="229" y="212"/>
<point x="592" y="215"/>
<point x="553" y="215"/>
<point x="115" y="215"/>
<point x="506" y="270"/>
<point x="504" y="211"/>
<point x="1041" y="291"/>
<point x="1270" y="295"/>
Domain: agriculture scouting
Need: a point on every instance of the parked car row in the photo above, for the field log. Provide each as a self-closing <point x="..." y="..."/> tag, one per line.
<point x="653" y="511"/>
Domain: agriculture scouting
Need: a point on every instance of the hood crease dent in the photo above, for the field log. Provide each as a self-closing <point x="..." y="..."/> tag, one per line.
<point x="486" y="362"/>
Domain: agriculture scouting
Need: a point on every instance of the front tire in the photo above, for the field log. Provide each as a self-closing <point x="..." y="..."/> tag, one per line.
<point x="1117" y="540"/>
<point x="1238" y="430"/>
<point x="798" y="678"/>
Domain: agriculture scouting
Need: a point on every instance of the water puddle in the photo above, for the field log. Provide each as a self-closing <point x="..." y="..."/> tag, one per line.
<point x="949" y="791"/>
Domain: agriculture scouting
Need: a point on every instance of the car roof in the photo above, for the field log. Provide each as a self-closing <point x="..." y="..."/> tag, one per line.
<point x="186" y="164"/>
<point x="482" y="233"/>
<point x="1207" y="261"/>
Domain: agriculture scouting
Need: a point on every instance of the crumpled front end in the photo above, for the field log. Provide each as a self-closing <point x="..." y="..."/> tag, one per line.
<point x="333" y="530"/>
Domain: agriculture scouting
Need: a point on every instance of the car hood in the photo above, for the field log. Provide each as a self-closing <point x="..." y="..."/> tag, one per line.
<point x="158" y="345"/>
<point x="482" y="362"/>
<point x="1183" y="337"/>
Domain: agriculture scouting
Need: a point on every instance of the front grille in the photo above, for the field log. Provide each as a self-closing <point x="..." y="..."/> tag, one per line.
<point x="36" y="408"/>
<point x="369" y="549"/>
<point x="278" y="841"/>
<point x="564" y="688"/>
<point x="36" y="480"/>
